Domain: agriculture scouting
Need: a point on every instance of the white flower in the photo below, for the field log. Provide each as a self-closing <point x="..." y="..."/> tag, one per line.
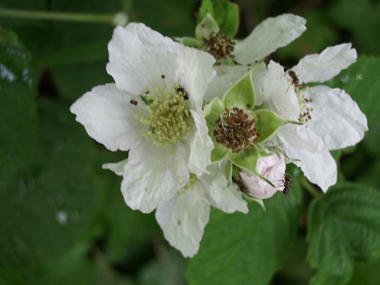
<point x="167" y="139"/>
<point x="266" y="38"/>
<point x="184" y="217"/>
<point x="330" y="118"/>
<point x="271" y="167"/>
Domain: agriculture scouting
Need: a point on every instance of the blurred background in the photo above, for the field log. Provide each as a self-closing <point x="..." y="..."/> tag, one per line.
<point x="62" y="217"/>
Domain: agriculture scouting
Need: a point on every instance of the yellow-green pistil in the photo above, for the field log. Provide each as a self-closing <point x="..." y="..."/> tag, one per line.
<point x="167" y="116"/>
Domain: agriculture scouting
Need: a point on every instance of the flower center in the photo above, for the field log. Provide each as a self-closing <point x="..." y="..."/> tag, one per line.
<point x="236" y="130"/>
<point x="219" y="45"/>
<point x="166" y="115"/>
<point x="303" y="102"/>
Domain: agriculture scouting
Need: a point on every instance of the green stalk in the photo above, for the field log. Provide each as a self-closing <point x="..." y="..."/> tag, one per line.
<point x="114" y="19"/>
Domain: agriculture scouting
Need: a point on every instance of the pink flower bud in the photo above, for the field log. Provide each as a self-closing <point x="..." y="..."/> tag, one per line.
<point x="272" y="167"/>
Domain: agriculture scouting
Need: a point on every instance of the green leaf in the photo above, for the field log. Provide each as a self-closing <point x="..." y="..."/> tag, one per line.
<point x="75" y="80"/>
<point x="360" y="80"/>
<point x="50" y="207"/>
<point x="17" y="107"/>
<point x="361" y="19"/>
<point x="85" y="53"/>
<point x="226" y="15"/>
<point x="246" y="248"/>
<point x="206" y="27"/>
<point x="343" y="227"/>
<point x="206" y="7"/>
<point x="247" y="159"/>
<point x="267" y="123"/>
<point x="241" y="94"/>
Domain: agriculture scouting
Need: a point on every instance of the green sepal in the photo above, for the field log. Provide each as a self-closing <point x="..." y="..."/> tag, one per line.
<point x="241" y="94"/>
<point x="219" y="152"/>
<point x="260" y="201"/>
<point x="228" y="172"/>
<point x="190" y="42"/>
<point x="206" y="27"/>
<point x="267" y="123"/>
<point x="212" y="112"/>
<point x="247" y="159"/>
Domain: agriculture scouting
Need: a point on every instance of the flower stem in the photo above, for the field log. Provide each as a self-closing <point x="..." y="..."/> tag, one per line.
<point x="310" y="188"/>
<point x="114" y="19"/>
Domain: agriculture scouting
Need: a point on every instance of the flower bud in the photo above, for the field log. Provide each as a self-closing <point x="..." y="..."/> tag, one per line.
<point x="272" y="167"/>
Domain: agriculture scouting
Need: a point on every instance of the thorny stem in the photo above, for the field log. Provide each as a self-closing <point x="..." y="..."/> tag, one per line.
<point x="114" y="19"/>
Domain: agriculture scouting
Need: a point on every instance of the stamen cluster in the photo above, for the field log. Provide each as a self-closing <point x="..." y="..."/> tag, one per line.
<point x="220" y="46"/>
<point x="305" y="111"/>
<point x="167" y="116"/>
<point x="236" y="130"/>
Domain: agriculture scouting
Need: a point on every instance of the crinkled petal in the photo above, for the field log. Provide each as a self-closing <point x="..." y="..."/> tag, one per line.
<point x="199" y="144"/>
<point x="195" y="73"/>
<point x="324" y="66"/>
<point x="310" y="153"/>
<point x="227" y="199"/>
<point x="268" y="36"/>
<point x="139" y="56"/>
<point x="117" y="167"/>
<point x="183" y="219"/>
<point x="278" y="93"/>
<point x="153" y="175"/>
<point x="336" y="118"/>
<point x="109" y="117"/>
<point x="227" y="75"/>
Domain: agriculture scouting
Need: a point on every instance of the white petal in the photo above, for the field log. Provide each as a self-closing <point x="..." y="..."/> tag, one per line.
<point x="324" y="66"/>
<point x="315" y="160"/>
<point x="279" y="93"/>
<point x="195" y="73"/>
<point x="268" y="36"/>
<point x="226" y="77"/>
<point x="109" y="117"/>
<point x="140" y="56"/>
<point x="199" y="145"/>
<point x="336" y="118"/>
<point x="227" y="199"/>
<point x="153" y="175"/>
<point x="117" y="167"/>
<point x="183" y="219"/>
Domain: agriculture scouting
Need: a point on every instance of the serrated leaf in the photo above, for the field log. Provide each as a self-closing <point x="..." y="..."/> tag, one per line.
<point x="49" y="207"/>
<point x="241" y="94"/>
<point x="360" y="80"/>
<point x="343" y="227"/>
<point x="246" y="249"/>
<point x="17" y="107"/>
